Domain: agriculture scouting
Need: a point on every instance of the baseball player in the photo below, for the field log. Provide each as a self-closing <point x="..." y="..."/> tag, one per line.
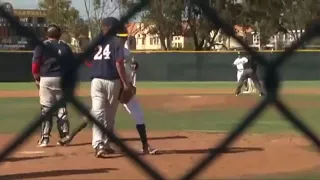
<point x="249" y="71"/>
<point x="47" y="74"/>
<point x="239" y="62"/>
<point x="108" y="76"/>
<point x="133" y="106"/>
<point x="250" y="83"/>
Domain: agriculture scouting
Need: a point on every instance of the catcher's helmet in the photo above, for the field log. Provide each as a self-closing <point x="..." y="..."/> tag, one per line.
<point x="54" y="31"/>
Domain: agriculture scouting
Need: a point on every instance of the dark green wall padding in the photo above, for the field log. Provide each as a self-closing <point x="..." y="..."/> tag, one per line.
<point x="176" y="66"/>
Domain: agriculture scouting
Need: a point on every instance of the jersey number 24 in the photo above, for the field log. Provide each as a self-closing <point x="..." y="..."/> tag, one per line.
<point x="103" y="53"/>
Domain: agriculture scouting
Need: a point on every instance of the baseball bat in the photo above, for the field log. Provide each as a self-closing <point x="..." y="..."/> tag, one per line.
<point x="78" y="129"/>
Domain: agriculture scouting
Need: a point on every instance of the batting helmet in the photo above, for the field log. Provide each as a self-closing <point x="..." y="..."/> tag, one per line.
<point x="112" y="21"/>
<point x="123" y="32"/>
<point x="54" y="31"/>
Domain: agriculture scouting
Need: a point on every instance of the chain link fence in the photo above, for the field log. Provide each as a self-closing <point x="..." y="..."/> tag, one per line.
<point x="71" y="64"/>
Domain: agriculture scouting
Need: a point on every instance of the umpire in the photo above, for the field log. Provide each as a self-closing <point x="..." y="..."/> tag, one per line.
<point x="47" y="73"/>
<point x="250" y="71"/>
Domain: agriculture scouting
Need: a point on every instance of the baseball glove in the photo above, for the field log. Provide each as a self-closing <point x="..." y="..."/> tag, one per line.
<point x="126" y="94"/>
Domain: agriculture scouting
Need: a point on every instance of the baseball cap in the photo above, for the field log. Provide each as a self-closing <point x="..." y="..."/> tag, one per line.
<point x="112" y="21"/>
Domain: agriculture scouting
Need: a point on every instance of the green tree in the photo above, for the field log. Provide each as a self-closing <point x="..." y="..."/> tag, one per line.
<point x="264" y="17"/>
<point x="96" y="10"/>
<point x="203" y="31"/>
<point x="61" y="13"/>
<point x="163" y="17"/>
<point x="296" y="15"/>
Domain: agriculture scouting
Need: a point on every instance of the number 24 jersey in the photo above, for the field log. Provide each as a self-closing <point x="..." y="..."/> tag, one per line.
<point x="105" y="58"/>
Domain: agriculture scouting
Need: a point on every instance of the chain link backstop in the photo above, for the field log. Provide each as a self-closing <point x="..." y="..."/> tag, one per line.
<point x="271" y="83"/>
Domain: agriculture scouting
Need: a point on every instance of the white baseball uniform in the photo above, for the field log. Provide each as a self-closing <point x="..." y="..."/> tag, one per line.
<point x="239" y="62"/>
<point x="133" y="107"/>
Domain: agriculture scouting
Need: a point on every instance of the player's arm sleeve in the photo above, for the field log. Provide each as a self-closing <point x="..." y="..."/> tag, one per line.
<point x="36" y="61"/>
<point x="235" y="62"/>
<point x="134" y="78"/>
<point x="245" y="60"/>
<point x="88" y="60"/>
<point x="119" y="53"/>
<point x="119" y="60"/>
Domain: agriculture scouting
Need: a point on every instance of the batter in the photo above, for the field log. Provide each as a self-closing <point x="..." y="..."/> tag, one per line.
<point x="133" y="107"/>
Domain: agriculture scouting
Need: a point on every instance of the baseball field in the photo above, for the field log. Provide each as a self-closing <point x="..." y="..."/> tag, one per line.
<point x="185" y="120"/>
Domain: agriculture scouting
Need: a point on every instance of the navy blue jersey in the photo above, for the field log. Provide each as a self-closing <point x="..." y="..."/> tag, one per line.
<point x="46" y="61"/>
<point x="105" y="58"/>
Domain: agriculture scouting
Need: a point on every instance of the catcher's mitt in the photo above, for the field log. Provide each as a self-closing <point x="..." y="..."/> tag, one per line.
<point x="126" y="94"/>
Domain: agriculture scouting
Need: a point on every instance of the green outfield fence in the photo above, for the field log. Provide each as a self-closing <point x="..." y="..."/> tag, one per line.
<point x="271" y="79"/>
<point x="176" y="66"/>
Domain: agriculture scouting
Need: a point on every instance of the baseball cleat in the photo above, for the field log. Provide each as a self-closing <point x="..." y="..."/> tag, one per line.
<point x="100" y="151"/>
<point x="108" y="149"/>
<point x="64" y="141"/>
<point x="43" y="142"/>
<point x="148" y="150"/>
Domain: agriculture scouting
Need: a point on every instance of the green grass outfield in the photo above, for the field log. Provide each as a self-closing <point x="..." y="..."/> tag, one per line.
<point x="16" y="113"/>
<point x="157" y="85"/>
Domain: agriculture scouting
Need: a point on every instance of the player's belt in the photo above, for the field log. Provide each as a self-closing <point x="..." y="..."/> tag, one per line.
<point x="240" y="69"/>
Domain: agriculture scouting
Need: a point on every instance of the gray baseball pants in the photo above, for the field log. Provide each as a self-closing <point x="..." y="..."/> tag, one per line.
<point x="104" y="96"/>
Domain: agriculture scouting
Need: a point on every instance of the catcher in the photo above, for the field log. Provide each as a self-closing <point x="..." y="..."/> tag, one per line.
<point x="47" y="74"/>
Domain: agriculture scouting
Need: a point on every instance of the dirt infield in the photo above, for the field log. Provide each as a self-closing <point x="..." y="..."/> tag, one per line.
<point x="251" y="155"/>
<point x="162" y="91"/>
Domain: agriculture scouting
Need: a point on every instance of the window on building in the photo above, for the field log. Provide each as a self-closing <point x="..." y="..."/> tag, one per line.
<point x="256" y="38"/>
<point x="291" y="38"/>
<point x="143" y="41"/>
<point x="41" y="20"/>
<point x="158" y="41"/>
<point x="155" y="41"/>
<point x="151" y="41"/>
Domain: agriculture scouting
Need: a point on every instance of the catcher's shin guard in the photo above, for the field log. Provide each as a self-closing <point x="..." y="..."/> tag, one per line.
<point x="63" y="123"/>
<point x="46" y="125"/>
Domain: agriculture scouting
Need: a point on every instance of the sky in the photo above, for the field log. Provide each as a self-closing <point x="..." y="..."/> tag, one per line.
<point x="33" y="4"/>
